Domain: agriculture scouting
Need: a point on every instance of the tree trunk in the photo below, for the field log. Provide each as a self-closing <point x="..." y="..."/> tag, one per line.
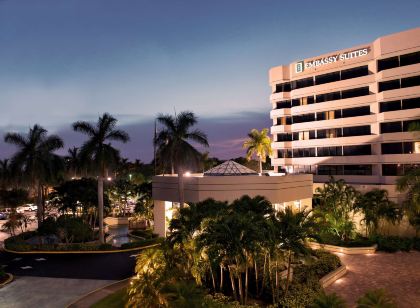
<point x="212" y="278"/>
<point x="246" y="281"/>
<point x="256" y="278"/>
<point x="101" y="209"/>
<point x="270" y="275"/>
<point x="181" y="187"/>
<point x="277" y="281"/>
<point x="260" y="161"/>
<point x="289" y="262"/>
<point x="232" y="281"/>
<point x="221" y="278"/>
<point x="39" y="203"/>
<point x="263" y="276"/>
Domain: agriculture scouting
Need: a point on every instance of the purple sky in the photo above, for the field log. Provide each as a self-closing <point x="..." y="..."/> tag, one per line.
<point x="63" y="61"/>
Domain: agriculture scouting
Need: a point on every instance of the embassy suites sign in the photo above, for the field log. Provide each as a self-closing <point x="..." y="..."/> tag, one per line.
<point x="302" y="65"/>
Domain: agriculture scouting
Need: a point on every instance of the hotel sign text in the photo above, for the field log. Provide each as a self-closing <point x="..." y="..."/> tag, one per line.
<point x="302" y="65"/>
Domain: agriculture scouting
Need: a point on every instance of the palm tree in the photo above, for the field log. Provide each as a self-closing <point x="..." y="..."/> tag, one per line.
<point x="376" y="299"/>
<point x="375" y="206"/>
<point x="100" y="154"/>
<point x="328" y="301"/>
<point x="174" y="147"/>
<point x="293" y="229"/>
<point x="259" y="144"/>
<point x="5" y="173"/>
<point x="410" y="183"/>
<point x="73" y="161"/>
<point x="35" y="160"/>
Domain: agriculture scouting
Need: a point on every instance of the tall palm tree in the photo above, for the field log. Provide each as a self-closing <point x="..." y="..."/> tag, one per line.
<point x="410" y="183"/>
<point x="35" y="160"/>
<point x="73" y="162"/>
<point x="5" y="173"/>
<point x="258" y="144"/>
<point x="100" y="153"/>
<point x="375" y="206"/>
<point x="173" y="142"/>
<point x="293" y="229"/>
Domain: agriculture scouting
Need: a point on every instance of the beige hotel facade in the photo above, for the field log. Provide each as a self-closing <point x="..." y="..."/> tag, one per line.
<point x="347" y="113"/>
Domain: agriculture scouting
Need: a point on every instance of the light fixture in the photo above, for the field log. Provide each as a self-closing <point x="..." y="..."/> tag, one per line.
<point x="109" y="178"/>
<point x="187" y="173"/>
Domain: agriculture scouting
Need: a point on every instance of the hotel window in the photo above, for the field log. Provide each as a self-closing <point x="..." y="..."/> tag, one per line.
<point x="329" y="151"/>
<point x="391" y="127"/>
<point x="357" y="169"/>
<point x="410" y="82"/>
<point x="309" y="117"/>
<point x="389" y="85"/>
<point x="355" y="92"/>
<point x="304" y="152"/>
<point x="302" y="83"/>
<point x="283" y="104"/>
<point x="392" y="169"/>
<point x="326" y="78"/>
<point x="304" y="135"/>
<point x="328" y="97"/>
<point x="390" y="106"/>
<point x="330" y="170"/>
<point x="356" y="131"/>
<point x="407" y="125"/>
<point x="355" y="150"/>
<point x="411" y="58"/>
<point x="295" y="102"/>
<point x="284" y="121"/>
<point x="392" y="148"/>
<point x="282" y="87"/>
<point x="388" y="63"/>
<point x="355" y="72"/>
<point x="411" y="103"/>
<point x="356" y="112"/>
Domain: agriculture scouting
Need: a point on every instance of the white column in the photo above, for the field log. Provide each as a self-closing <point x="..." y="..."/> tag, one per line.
<point x="159" y="218"/>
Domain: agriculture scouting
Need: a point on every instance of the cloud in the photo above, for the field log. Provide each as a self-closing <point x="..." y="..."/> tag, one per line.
<point x="225" y="134"/>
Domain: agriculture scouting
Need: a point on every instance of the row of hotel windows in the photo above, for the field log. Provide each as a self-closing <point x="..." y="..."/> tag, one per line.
<point x="351" y="150"/>
<point x="399" y="83"/>
<point x="320" y="98"/>
<point x="397" y="61"/>
<point x="322" y="79"/>
<point x="325" y="133"/>
<point x="387" y="169"/>
<point x="397" y="126"/>
<point x="403" y="60"/>
<point x="324" y="115"/>
<point x="404" y="104"/>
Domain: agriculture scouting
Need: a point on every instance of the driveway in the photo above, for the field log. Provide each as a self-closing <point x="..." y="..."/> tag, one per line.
<point x="398" y="273"/>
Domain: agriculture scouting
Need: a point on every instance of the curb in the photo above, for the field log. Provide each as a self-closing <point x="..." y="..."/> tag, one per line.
<point x="78" y="251"/>
<point x="9" y="280"/>
<point x="81" y="299"/>
<point x="345" y="250"/>
<point x="330" y="278"/>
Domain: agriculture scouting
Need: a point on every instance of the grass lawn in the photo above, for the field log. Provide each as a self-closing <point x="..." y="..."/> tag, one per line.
<point x="114" y="300"/>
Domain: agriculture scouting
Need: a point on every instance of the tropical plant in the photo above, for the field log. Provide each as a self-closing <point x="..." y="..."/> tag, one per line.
<point x="100" y="154"/>
<point x="410" y="183"/>
<point x="35" y="160"/>
<point x="13" y="197"/>
<point x="293" y="229"/>
<point x="376" y="206"/>
<point x="335" y="206"/>
<point x="258" y="144"/>
<point x="332" y="300"/>
<point x="376" y="299"/>
<point x="144" y="204"/>
<point x="174" y="147"/>
<point x="73" y="163"/>
<point x="5" y="174"/>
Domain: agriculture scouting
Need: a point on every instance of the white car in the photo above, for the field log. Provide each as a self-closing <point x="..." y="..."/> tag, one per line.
<point x="32" y="207"/>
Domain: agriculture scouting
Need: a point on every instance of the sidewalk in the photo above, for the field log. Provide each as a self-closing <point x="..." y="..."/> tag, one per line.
<point x="95" y="296"/>
<point x="44" y="292"/>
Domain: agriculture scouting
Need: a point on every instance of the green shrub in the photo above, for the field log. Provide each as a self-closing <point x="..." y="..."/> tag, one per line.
<point x="394" y="243"/>
<point x="301" y="294"/>
<point x="328" y="301"/>
<point x="74" y="229"/>
<point x="2" y="272"/>
<point x="48" y="226"/>
<point x="416" y="243"/>
<point x="376" y="298"/>
<point x="358" y="241"/>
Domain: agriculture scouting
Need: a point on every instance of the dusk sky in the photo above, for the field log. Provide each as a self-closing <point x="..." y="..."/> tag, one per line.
<point x="62" y="61"/>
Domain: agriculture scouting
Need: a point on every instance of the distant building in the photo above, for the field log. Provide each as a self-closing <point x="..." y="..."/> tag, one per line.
<point x="347" y="113"/>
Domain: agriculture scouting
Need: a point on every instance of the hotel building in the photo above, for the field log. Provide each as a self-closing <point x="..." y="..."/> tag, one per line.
<point x="348" y="113"/>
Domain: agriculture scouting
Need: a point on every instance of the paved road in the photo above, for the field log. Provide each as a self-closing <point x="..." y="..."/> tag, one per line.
<point x="111" y="266"/>
<point x="398" y="273"/>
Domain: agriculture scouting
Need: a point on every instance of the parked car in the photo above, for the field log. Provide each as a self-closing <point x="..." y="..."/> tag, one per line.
<point x="3" y="216"/>
<point x="20" y="209"/>
<point x="32" y="207"/>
